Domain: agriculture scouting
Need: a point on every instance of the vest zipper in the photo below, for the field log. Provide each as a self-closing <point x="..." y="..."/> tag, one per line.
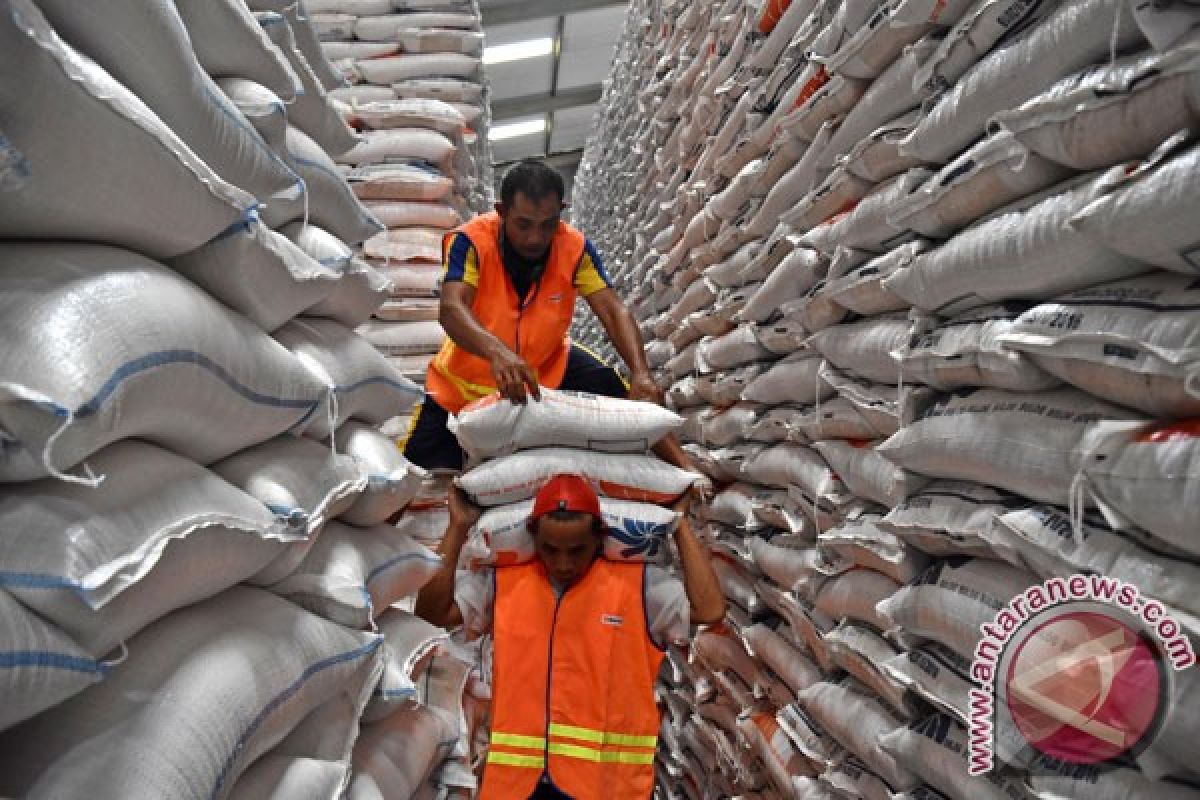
<point x="521" y="306"/>
<point x="549" y="679"/>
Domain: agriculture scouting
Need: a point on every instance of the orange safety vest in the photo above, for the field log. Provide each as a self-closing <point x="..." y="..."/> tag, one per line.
<point x="572" y="685"/>
<point x="536" y="329"/>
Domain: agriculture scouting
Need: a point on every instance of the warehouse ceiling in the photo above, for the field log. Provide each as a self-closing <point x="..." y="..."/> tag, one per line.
<point x="546" y="60"/>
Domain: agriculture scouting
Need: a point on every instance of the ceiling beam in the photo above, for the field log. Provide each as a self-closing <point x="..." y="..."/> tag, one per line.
<point x="543" y="103"/>
<point x="506" y="11"/>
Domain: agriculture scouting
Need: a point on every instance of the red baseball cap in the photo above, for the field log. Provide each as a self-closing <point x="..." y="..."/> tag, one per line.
<point x="565" y="493"/>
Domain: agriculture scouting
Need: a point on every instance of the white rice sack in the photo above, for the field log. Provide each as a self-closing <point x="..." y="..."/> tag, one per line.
<point x="258" y="272"/>
<point x="399" y="182"/>
<point x="953" y="599"/>
<point x="798" y="272"/>
<point x="857" y="720"/>
<point x="119" y="739"/>
<point x="164" y="74"/>
<point x="392" y="481"/>
<point x="950" y="517"/>
<point x="793" y="379"/>
<point x="330" y="204"/>
<point x="890" y="28"/>
<point x="1134" y="342"/>
<point x="262" y="108"/>
<point x="867" y="227"/>
<point x="395" y="144"/>
<point x="1023" y="252"/>
<point x="404" y="213"/>
<point x="411" y="112"/>
<point x="729" y="201"/>
<point x="636" y="532"/>
<point x="967" y="350"/>
<point x="781" y="510"/>
<point x="837" y="194"/>
<point x="935" y="749"/>
<point x="788" y="463"/>
<point x="393" y="69"/>
<point x="790" y="561"/>
<point x="775" y="425"/>
<point x="811" y="740"/>
<point x="46" y="199"/>
<point x="861" y="652"/>
<point x="1050" y="777"/>
<point x="280" y="777"/>
<point x="861" y="290"/>
<point x="159" y="533"/>
<point x="1050" y="544"/>
<point x="993" y="173"/>
<point x="853" y="778"/>
<point x="353" y="51"/>
<point x="734" y="506"/>
<point x="309" y="45"/>
<point x="864" y="348"/>
<point x="807" y="626"/>
<point x="313" y="111"/>
<point x="784" y="336"/>
<point x="772" y="746"/>
<point x="1028" y="443"/>
<point x="440" y="40"/>
<point x="793" y="186"/>
<point x="936" y="674"/>
<point x="738" y="588"/>
<point x="1077" y="33"/>
<point x="495" y="426"/>
<point x="1145" y="475"/>
<point x="409" y="309"/>
<point x="862" y="541"/>
<point x="1149" y="213"/>
<point x="718" y="649"/>
<point x="739" y="346"/>
<point x="411" y="280"/>
<point x="352" y="575"/>
<point x="877" y="157"/>
<point x="1114" y="112"/>
<point x="359" y="382"/>
<point x="385" y="28"/>
<point x="621" y="476"/>
<point x="183" y="371"/>
<point x="230" y="43"/>
<point x="409" y="644"/>
<point x="362" y="93"/>
<point x="41" y="666"/>
<point x="406" y="244"/>
<point x="448" y="90"/>
<point x="359" y="293"/>
<point x="776" y="655"/>
<point x="400" y="339"/>
<point x="724" y="427"/>
<point x="853" y="595"/>
<point x="866" y="473"/>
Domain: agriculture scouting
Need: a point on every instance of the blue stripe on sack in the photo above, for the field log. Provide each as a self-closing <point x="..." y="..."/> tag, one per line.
<point x="34" y="580"/>
<point x="319" y="167"/>
<point x="243" y="125"/>
<point x="247" y="221"/>
<point x="282" y="698"/>
<point x="41" y="658"/>
<point x="393" y="694"/>
<point x="404" y="387"/>
<point x="400" y="559"/>
<point x="165" y="357"/>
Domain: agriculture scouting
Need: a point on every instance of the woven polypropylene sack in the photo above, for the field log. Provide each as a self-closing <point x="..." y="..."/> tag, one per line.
<point x="936" y="749"/>
<point x="127" y="153"/>
<point x="42" y="666"/>
<point x="399" y="182"/>
<point x="258" y="272"/>
<point x="1027" y="443"/>
<point x="856" y="719"/>
<point x="360" y="291"/>
<point x="394" y="756"/>
<point x="864" y="348"/>
<point x="868" y="474"/>
<point x="352" y="575"/>
<point x="230" y="43"/>
<point x="449" y="90"/>
<point x="412" y="112"/>
<point x="621" y="476"/>
<point x="793" y="379"/>
<point x="313" y="111"/>
<point x="360" y="383"/>
<point x="393" y="69"/>
<point x="392" y="481"/>
<point x="263" y="109"/>
<point x="119" y="739"/>
<point x="170" y="81"/>
<point x="280" y="777"/>
<point x="181" y="371"/>
<point x="409" y="643"/>
<point x="159" y="533"/>
<point x="416" y="144"/>
<point x="402" y="213"/>
<point x="421" y="337"/>
<point x="1133" y="342"/>
<point x="494" y="426"/>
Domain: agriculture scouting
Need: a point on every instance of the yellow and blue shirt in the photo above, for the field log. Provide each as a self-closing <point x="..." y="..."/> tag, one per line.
<point x="462" y="264"/>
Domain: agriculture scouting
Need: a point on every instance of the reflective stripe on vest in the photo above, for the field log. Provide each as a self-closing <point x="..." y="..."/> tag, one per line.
<point x="573" y="685"/>
<point x="536" y="329"/>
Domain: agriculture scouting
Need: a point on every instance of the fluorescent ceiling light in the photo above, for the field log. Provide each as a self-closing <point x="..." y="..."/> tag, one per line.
<point x="518" y="51"/>
<point x="512" y="130"/>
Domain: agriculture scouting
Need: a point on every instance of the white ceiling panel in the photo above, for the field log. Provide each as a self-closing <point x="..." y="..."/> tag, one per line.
<point x="522" y="147"/>
<point x="589" y="39"/>
<point x="571" y="128"/>
<point x="519" y="31"/>
<point x="521" y="78"/>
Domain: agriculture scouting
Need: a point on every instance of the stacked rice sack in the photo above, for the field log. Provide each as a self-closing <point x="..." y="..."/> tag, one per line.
<point x="514" y="449"/>
<point x="921" y="290"/>
<point x="416" y="93"/>
<point x="198" y="576"/>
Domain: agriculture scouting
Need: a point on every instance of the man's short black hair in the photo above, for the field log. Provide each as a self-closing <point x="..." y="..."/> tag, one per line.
<point x="598" y="525"/>
<point x="533" y="178"/>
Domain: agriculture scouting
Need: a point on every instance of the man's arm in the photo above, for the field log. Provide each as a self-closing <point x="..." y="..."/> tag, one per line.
<point x="513" y="376"/>
<point x="435" y="602"/>
<point x="699" y="580"/>
<point x="623" y="332"/>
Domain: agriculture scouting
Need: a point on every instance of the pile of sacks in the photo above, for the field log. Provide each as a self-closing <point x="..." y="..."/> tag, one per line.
<point x="198" y="579"/>
<point x="417" y="96"/>
<point x="514" y="449"/>
<point x="925" y="297"/>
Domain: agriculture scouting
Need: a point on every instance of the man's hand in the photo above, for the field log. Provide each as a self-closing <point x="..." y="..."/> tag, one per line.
<point x="642" y="386"/>
<point x="514" y="378"/>
<point x="463" y="513"/>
